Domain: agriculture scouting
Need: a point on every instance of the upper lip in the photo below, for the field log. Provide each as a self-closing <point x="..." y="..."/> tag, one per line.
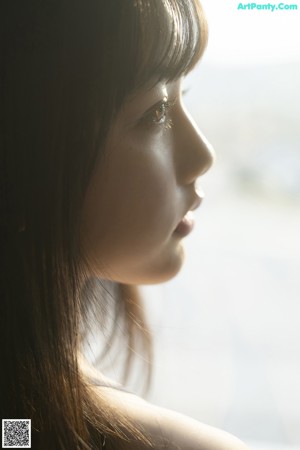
<point x="198" y="197"/>
<point x="198" y="200"/>
<point x="196" y="204"/>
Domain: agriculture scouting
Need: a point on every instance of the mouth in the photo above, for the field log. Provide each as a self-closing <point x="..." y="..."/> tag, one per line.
<point x="187" y="224"/>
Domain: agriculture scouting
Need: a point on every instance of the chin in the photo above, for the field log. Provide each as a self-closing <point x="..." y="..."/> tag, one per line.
<point x="166" y="270"/>
<point x="159" y="270"/>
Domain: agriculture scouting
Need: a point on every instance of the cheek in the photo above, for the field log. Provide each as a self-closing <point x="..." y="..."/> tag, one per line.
<point x="142" y="184"/>
<point x="146" y="194"/>
<point x="131" y="206"/>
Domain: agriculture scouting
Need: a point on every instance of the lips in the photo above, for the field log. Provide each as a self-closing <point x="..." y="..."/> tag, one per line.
<point x="197" y="203"/>
<point x="186" y="225"/>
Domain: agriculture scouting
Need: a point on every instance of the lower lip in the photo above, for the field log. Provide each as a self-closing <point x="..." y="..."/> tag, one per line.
<point x="186" y="225"/>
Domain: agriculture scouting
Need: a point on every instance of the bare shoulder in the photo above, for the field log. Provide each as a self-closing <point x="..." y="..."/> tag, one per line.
<point x="167" y="429"/>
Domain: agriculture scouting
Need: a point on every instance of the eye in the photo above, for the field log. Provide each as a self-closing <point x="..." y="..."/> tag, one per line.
<point x="159" y="114"/>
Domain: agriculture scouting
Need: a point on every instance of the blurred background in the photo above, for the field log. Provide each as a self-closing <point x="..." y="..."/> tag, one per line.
<point x="226" y="329"/>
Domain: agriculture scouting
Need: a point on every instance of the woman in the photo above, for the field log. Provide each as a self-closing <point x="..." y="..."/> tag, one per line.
<point x="99" y="161"/>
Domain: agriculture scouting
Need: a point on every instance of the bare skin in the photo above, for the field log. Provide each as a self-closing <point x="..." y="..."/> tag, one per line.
<point x="143" y="189"/>
<point x="135" y="200"/>
<point x="164" y="428"/>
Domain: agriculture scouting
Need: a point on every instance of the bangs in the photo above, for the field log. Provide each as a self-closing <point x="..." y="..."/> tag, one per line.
<point x="173" y="37"/>
<point x="164" y="39"/>
<point x="126" y="45"/>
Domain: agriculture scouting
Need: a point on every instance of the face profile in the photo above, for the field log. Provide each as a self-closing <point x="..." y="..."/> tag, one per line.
<point x="100" y="162"/>
<point x="138" y="205"/>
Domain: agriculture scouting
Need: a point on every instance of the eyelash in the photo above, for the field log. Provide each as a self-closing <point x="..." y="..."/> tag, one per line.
<point x="164" y="107"/>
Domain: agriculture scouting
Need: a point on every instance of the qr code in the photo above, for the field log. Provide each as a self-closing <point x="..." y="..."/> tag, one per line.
<point x="16" y="433"/>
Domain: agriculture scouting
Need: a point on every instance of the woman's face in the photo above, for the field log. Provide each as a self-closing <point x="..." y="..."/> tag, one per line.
<point x="133" y="225"/>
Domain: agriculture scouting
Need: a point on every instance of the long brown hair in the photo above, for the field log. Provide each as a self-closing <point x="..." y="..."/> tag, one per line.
<point x="66" y="68"/>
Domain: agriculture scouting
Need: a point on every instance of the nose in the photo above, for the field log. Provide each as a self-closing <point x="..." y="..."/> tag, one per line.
<point x="194" y="155"/>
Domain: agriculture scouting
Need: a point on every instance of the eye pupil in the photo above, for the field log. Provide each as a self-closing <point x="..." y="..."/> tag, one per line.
<point x="160" y="113"/>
